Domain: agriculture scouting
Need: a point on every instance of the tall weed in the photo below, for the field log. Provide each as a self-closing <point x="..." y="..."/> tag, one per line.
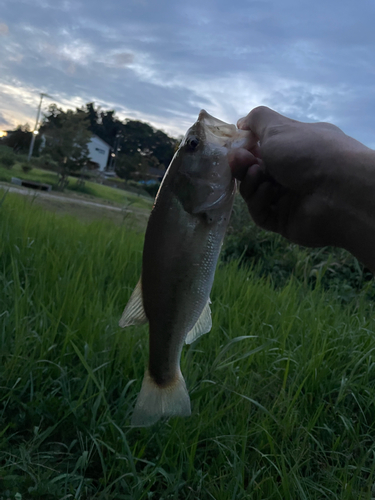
<point x="282" y="388"/>
<point x="273" y="256"/>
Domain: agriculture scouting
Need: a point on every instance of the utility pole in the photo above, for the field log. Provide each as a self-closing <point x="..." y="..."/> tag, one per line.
<point x="115" y="151"/>
<point x="35" y="131"/>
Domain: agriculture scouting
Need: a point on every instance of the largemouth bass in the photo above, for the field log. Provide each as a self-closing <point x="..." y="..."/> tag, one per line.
<point x="184" y="235"/>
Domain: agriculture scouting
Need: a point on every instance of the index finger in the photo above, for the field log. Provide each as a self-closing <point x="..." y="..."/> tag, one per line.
<point x="259" y="119"/>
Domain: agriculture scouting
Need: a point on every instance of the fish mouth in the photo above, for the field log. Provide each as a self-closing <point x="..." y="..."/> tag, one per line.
<point x="211" y="120"/>
<point x="223" y="134"/>
<point x="215" y="129"/>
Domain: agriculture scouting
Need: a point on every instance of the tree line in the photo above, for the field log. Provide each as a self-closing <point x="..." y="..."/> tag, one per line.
<point x="137" y="146"/>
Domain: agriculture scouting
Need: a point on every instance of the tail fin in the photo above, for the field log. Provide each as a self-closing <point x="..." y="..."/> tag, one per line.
<point x="155" y="402"/>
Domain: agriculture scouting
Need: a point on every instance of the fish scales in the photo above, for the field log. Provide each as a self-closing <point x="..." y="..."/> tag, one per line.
<point x="182" y="245"/>
<point x="175" y="293"/>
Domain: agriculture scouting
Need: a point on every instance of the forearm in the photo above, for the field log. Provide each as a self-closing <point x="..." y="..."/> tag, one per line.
<point x="322" y="187"/>
<point x="356" y="207"/>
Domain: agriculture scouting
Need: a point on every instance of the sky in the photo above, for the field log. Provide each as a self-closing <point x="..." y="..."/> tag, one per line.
<point x="161" y="61"/>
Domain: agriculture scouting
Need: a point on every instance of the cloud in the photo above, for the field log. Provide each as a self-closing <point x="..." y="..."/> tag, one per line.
<point x="123" y="58"/>
<point x="4" y="123"/>
<point x="162" y="61"/>
<point x="4" y="30"/>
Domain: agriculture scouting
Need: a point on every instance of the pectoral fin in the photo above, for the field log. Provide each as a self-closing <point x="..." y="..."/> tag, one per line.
<point x="202" y="326"/>
<point x="134" y="313"/>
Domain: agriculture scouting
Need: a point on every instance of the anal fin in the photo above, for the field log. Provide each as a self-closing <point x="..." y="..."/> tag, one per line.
<point x="134" y="313"/>
<point x="202" y="326"/>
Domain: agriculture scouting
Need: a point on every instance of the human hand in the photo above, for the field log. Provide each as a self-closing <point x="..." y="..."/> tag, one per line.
<point x="300" y="180"/>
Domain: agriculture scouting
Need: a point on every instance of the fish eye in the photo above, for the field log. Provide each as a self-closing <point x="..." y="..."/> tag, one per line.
<point x="193" y="143"/>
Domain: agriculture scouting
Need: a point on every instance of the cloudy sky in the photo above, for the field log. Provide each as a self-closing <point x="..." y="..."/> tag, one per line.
<point x="161" y="61"/>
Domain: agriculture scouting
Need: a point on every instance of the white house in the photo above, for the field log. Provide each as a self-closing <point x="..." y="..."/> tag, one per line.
<point x="98" y="151"/>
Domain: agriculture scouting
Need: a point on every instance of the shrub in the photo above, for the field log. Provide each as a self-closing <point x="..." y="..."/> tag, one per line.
<point x="274" y="257"/>
<point x="7" y="161"/>
<point x="133" y="184"/>
<point x="151" y="189"/>
<point x="80" y="187"/>
<point x="7" y="157"/>
<point x="45" y="162"/>
<point x="26" y="167"/>
<point x="4" y="150"/>
<point x="134" y="187"/>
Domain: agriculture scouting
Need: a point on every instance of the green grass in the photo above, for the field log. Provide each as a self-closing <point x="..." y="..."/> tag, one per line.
<point x="91" y="189"/>
<point x="36" y="174"/>
<point x="273" y="256"/>
<point x="282" y="388"/>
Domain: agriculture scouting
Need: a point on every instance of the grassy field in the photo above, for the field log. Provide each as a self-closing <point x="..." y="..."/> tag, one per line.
<point x="91" y="190"/>
<point x="282" y="388"/>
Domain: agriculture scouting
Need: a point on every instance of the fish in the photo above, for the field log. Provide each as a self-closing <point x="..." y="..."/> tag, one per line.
<point x="182" y="243"/>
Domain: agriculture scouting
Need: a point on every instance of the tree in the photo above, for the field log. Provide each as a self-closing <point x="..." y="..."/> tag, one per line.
<point x="164" y="147"/>
<point x="126" y="166"/>
<point x="67" y="135"/>
<point x="19" y="140"/>
<point x="141" y="138"/>
<point x="94" y="120"/>
<point x="134" y="166"/>
<point x="138" y="138"/>
<point x="131" y="137"/>
<point x="111" y="126"/>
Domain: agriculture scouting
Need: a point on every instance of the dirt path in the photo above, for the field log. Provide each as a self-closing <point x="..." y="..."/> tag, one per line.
<point x="60" y="197"/>
<point x="85" y="210"/>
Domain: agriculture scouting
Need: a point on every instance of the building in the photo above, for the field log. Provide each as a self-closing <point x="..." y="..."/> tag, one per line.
<point x="98" y="152"/>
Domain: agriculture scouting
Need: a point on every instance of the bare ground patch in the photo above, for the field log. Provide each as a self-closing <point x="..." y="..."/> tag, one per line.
<point x="83" y="209"/>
